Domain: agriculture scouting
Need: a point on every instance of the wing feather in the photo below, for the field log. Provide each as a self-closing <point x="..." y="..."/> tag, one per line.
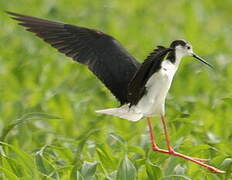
<point x="103" y="55"/>
<point x="151" y="65"/>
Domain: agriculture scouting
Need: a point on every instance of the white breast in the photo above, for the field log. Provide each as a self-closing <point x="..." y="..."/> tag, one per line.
<point x="157" y="88"/>
<point x="152" y="103"/>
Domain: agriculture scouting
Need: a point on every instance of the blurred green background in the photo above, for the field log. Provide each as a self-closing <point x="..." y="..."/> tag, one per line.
<point x="48" y="126"/>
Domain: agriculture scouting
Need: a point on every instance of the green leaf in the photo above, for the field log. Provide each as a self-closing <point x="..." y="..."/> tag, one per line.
<point x="227" y="100"/>
<point x="179" y="177"/>
<point x="117" y="138"/>
<point x="23" y="119"/>
<point x="24" y="158"/>
<point x="153" y="172"/>
<point x="75" y="174"/>
<point x="227" y="165"/>
<point x="112" y="176"/>
<point x="211" y="176"/>
<point x="227" y="162"/>
<point x="12" y="165"/>
<point x="179" y="170"/>
<point x="82" y="143"/>
<point x="9" y="174"/>
<point x="136" y="149"/>
<point x="212" y="138"/>
<point x="104" y="157"/>
<point x="127" y="170"/>
<point x="88" y="169"/>
<point x="44" y="166"/>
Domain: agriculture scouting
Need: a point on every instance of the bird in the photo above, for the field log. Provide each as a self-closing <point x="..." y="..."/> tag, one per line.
<point x="141" y="88"/>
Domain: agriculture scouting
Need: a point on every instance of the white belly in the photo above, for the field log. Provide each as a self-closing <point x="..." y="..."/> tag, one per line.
<point x="153" y="102"/>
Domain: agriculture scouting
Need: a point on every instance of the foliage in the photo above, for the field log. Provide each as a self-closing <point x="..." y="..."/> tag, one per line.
<point x="48" y="126"/>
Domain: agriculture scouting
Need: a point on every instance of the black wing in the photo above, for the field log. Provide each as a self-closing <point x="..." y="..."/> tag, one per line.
<point x="103" y="55"/>
<point x="152" y="64"/>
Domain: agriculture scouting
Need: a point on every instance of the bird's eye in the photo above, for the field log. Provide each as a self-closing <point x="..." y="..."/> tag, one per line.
<point x="188" y="47"/>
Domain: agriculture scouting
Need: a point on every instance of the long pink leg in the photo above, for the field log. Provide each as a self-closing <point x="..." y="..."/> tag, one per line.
<point x="167" y="138"/>
<point x="171" y="151"/>
<point x="155" y="146"/>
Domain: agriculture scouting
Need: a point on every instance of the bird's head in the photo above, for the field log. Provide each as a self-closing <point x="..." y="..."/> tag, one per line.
<point x="183" y="48"/>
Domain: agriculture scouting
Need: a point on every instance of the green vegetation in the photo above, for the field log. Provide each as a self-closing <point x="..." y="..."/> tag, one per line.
<point x="48" y="126"/>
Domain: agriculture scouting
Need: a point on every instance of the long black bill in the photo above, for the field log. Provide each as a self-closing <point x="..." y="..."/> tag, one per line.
<point x="202" y="60"/>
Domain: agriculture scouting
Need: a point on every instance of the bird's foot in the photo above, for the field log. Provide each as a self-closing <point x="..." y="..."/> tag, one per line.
<point x="198" y="161"/>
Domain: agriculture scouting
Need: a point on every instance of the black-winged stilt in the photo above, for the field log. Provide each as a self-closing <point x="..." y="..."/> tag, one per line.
<point x="140" y="88"/>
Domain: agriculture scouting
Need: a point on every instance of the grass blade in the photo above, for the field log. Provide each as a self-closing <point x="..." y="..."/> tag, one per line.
<point x="23" y="119"/>
<point x="127" y="170"/>
<point x="153" y="172"/>
<point x="8" y="174"/>
<point x="88" y="169"/>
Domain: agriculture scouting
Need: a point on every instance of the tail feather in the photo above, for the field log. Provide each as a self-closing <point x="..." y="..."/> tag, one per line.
<point x="123" y="112"/>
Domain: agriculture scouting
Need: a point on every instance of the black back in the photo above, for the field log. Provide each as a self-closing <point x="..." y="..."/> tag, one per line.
<point x="150" y="66"/>
<point x="103" y="55"/>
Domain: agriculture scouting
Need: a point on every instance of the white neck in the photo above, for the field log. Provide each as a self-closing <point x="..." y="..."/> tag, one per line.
<point x="173" y="66"/>
<point x="178" y="57"/>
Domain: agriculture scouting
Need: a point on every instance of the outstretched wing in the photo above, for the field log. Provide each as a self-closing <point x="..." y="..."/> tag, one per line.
<point x="151" y="65"/>
<point x="103" y="55"/>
